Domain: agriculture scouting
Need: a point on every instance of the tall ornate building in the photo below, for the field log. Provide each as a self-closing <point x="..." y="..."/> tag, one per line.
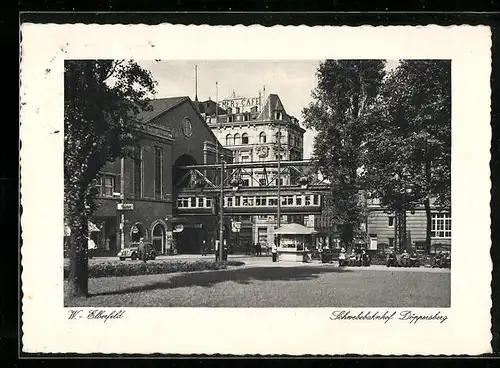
<point x="249" y="128"/>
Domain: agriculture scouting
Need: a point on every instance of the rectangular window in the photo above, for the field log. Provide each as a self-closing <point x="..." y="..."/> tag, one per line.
<point x="298" y="201"/>
<point x="391" y="221"/>
<point x="138" y="172"/>
<point x="289" y="200"/>
<point x="441" y="225"/>
<point x="246" y="182"/>
<point x="307" y="200"/>
<point x="281" y="181"/>
<point x="260" y="201"/>
<point x="209" y="202"/>
<point x="200" y="202"/>
<point x="185" y="202"/>
<point x="237" y="201"/>
<point x="316" y="199"/>
<point x="262" y="234"/>
<point x="262" y="181"/>
<point x="192" y="202"/>
<point x="273" y="202"/>
<point x="230" y="201"/>
<point x="99" y="185"/>
<point x="109" y="185"/>
<point x="159" y="173"/>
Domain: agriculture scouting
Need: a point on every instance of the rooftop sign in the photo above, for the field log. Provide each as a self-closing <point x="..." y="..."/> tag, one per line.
<point x="240" y="102"/>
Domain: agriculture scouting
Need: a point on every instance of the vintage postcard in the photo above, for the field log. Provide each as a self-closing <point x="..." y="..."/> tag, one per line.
<point x="252" y="190"/>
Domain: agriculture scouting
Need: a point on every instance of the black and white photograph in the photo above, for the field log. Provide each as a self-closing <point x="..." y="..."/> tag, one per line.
<point x="327" y="186"/>
<point x="339" y="188"/>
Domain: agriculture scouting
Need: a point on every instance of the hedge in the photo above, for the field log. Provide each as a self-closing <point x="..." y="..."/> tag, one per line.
<point x="110" y="269"/>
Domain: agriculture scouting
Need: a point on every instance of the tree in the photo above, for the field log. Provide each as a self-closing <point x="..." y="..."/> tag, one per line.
<point x="409" y="142"/>
<point x="102" y="99"/>
<point x="342" y="101"/>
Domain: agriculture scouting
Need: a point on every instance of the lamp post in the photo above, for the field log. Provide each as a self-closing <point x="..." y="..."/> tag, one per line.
<point x="122" y="197"/>
<point x="402" y="220"/>
<point x="278" y="221"/>
<point x="221" y="210"/>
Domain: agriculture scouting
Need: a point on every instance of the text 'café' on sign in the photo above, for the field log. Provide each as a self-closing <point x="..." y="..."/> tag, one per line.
<point x="240" y="102"/>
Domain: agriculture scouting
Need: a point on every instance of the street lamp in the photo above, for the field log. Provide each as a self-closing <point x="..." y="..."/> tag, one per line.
<point x="402" y="221"/>
<point x="278" y="138"/>
<point x="405" y="237"/>
<point x="221" y="210"/>
<point x="122" y="196"/>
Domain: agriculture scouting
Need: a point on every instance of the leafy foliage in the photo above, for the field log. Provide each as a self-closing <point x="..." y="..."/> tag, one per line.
<point x="387" y="134"/>
<point x="102" y="99"/>
<point x="342" y="102"/>
<point x="409" y="145"/>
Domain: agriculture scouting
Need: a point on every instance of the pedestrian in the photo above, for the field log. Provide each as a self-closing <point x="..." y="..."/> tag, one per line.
<point x="259" y="249"/>
<point x="142" y="250"/>
<point x="217" y="251"/>
<point x="274" y="251"/>
<point x="204" y="248"/>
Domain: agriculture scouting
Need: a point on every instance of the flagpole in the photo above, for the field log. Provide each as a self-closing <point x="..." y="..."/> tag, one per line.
<point x="217" y="120"/>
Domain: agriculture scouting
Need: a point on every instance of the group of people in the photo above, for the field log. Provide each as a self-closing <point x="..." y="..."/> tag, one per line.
<point x="255" y="249"/>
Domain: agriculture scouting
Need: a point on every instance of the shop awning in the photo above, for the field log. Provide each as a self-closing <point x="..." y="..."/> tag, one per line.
<point x="295" y="229"/>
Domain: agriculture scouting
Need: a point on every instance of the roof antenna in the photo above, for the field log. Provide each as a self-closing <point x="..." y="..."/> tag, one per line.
<point x="196" y="83"/>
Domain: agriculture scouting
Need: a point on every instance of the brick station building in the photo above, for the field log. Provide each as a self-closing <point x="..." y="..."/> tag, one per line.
<point x="176" y="134"/>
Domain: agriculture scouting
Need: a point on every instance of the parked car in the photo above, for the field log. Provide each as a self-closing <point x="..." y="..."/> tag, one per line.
<point x="132" y="252"/>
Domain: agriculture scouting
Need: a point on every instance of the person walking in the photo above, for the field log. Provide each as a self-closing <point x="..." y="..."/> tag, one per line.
<point x="143" y="254"/>
<point x="217" y="242"/>
<point x="274" y="251"/>
<point x="204" y="248"/>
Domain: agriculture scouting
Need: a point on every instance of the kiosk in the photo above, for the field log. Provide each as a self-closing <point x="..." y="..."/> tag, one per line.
<point x="295" y="242"/>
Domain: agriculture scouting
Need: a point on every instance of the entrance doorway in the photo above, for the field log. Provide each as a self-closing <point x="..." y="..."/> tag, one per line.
<point x="158" y="236"/>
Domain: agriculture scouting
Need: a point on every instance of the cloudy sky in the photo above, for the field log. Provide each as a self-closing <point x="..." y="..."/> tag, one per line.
<point x="293" y="81"/>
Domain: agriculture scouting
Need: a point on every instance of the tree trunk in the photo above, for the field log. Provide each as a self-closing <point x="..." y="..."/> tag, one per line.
<point x="428" y="215"/>
<point x="78" y="247"/>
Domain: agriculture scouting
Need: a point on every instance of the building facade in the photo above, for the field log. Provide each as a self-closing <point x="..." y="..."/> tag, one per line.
<point x="382" y="227"/>
<point x="141" y="203"/>
<point x="249" y="127"/>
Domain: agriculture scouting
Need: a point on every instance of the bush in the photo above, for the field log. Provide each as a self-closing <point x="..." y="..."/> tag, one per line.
<point x="111" y="269"/>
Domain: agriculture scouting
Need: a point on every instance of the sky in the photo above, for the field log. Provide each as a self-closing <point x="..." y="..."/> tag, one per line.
<point x="292" y="81"/>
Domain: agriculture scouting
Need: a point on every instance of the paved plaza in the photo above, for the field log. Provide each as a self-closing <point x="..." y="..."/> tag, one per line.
<point x="261" y="283"/>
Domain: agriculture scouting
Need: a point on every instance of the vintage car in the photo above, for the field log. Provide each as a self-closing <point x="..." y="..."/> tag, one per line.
<point x="132" y="251"/>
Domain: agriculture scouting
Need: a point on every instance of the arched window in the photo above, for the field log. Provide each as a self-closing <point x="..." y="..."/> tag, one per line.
<point x="229" y="140"/>
<point x="244" y="138"/>
<point x="262" y="137"/>
<point x="237" y="139"/>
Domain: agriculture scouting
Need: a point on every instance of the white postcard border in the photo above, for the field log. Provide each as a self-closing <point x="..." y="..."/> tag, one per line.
<point x="293" y="331"/>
